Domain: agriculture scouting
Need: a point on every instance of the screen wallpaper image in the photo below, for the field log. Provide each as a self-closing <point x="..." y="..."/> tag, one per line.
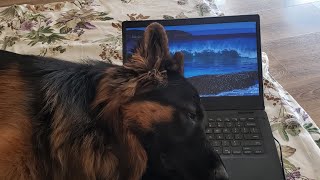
<point x="220" y="59"/>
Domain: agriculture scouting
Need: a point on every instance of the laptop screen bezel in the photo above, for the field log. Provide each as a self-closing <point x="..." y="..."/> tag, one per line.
<point x="216" y="102"/>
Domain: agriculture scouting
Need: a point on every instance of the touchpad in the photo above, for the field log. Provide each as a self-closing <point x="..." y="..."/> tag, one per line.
<point x="252" y="169"/>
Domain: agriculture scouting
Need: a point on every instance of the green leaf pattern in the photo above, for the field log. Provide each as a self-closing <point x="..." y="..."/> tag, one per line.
<point x="311" y="129"/>
<point x="318" y="142"/>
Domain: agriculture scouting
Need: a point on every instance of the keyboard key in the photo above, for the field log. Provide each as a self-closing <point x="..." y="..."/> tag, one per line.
<point x="212" y="124"/>
<point x="247" y="148"/>
<point x="227" y="119"/>
<point x="229" y="136"/>
<point x="234" y="119"/>
<point x="219" y="119"/>
<point x="239" y="124"/>
<point x="225" y="143"/>
<point x="216" y="130"/>
<point x="256" y="136"/>
<point x="252" y="143"/>
<point x="252" y="136"/>
<point x="236" y="150"/>
<point x="226" y="130"/>
<point x="250" y="124"/>
<point x="238" y="136"/>
<point x="229" y="124"/>
<point x="208" y="131"/>
<point x="210" y="136"/>
<point x="243" y="119"/>
<point x="254" y="130"/>
<point x="258" y="150"/>
<point x="251" y="118"/>
<point x="218" y="150"/>
<point x="226" y="150"/>
<point x="244" y="130"/>
<point x="220" y="124"/>
<point x="235" y="143"/>
<point x="247" y="152"/>
<point x="235" y="130"/>
<point x="211" y="119"/>
<point x="215" y="143"/>
<point x="219" y="136"/>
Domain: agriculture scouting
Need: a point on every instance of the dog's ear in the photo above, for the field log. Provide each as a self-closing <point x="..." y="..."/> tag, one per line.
<point x="176" y="63"/>
<point x="153" y="50"/>
<point x="153" y="47"/>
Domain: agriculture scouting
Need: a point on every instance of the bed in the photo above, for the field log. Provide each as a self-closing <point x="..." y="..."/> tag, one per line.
<point x="91" y="29"/>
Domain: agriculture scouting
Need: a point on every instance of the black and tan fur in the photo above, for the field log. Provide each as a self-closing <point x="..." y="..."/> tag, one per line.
<point x="63" y="120"/>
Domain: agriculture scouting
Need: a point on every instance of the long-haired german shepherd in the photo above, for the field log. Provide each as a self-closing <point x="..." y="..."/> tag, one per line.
<point x="64" y="120"/>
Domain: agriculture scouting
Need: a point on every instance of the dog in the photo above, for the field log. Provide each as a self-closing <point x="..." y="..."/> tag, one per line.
<point x="94" y="120"/>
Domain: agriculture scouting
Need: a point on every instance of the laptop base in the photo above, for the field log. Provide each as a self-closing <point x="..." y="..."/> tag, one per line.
<point x="258" y="158"/>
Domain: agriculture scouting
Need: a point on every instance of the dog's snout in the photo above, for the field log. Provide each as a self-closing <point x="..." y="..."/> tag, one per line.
<point x="221" y="173"/>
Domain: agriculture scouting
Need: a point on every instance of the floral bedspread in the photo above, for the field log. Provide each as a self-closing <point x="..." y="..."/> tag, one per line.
<point x="91" y="29"/>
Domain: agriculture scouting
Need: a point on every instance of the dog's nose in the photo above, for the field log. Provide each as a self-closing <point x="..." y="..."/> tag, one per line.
<point x="221" y="173"/>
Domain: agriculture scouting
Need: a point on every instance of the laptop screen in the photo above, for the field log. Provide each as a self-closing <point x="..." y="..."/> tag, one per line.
<point x="220" y="59"/>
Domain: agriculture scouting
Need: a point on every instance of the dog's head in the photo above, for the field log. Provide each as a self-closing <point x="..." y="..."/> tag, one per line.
<point x="161" y="133"/>
<point x="168" y="109"/>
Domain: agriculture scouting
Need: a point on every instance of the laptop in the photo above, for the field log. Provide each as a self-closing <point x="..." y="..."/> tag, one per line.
<point x="223" y="61"/>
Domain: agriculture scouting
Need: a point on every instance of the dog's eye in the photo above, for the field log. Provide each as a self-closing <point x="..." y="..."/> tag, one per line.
<point x="191" y="116"/>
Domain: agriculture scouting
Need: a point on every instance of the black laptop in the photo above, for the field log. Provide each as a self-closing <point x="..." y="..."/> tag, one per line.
<point x="223" y="61"/>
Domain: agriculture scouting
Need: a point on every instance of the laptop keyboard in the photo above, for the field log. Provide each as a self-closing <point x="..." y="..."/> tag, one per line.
<point x="235" y="136"/>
